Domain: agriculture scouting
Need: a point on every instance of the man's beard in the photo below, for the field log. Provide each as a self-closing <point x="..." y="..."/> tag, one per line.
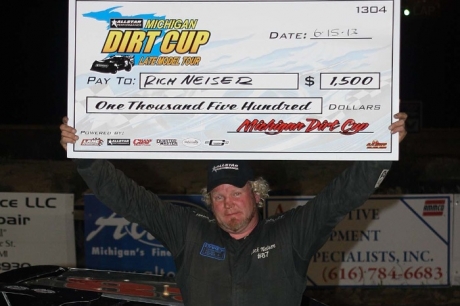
<point x="235" y="225"/>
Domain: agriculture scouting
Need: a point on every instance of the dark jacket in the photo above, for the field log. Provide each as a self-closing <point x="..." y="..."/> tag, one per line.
<point x="268" y="267"/>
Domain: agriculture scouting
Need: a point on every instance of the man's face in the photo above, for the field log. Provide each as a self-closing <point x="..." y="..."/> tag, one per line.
<point x="235" y="209"/>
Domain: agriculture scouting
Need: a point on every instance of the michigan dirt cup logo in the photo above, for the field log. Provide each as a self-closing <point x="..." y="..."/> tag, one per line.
<point x="148" y="40"/>
<point x="272" y="127"/>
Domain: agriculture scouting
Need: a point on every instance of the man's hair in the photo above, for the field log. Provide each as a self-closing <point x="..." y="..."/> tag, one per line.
<point x="259" y="186"/>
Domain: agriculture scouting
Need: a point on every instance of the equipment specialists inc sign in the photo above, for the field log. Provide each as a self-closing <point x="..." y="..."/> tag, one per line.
<point x="390" y="240"/>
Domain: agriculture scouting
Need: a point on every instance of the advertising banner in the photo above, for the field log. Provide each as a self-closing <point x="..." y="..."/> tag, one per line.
<point x="390" y="240"/>
<point x="114" y="243"/>
<point x="36" y="229"/>
<point x="456" y="242"/>
<point x="306" y="80"/>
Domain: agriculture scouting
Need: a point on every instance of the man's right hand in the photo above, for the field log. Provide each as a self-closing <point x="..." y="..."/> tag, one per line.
<point x="68" y="133"/>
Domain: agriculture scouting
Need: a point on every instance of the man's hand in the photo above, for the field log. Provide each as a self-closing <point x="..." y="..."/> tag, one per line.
<point x="67" y="133"/>
<point x="399" y="126"/>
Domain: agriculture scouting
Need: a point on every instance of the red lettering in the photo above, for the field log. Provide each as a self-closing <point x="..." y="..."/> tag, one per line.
<point x="351" y="127"/>
<point x="139" y="142"/>
<point x="315" y="124"/>
<point x="271" y="127"/>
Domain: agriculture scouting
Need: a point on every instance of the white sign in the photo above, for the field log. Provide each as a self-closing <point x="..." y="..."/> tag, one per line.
<point x="306" y="80"/>
<point x="456" y="241"/>
<point x="36" y="229"/>
<point x="390" y="240"/>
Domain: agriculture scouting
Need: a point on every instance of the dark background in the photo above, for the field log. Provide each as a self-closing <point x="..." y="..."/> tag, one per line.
<point x="35" y="90"/>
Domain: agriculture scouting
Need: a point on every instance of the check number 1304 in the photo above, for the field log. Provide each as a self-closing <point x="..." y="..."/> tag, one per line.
<point x="371" y="9"/>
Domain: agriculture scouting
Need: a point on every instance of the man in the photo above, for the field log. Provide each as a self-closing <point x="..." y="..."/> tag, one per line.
<point x="232" y="256"/>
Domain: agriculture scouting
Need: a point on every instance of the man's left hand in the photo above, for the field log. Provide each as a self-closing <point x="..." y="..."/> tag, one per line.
<point x="399" y="126"/>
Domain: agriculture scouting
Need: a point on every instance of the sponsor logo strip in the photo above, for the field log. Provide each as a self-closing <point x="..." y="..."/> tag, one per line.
<point x="433" y="207"/>
<point x="118" y="142"/>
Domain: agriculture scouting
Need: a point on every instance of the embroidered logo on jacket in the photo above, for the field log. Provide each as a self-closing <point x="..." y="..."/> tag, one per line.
<point x="262" y="252"/>
<point x="212" y="251"/>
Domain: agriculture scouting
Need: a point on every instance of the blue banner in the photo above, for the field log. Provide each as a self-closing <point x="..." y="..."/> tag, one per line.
<point x="114" y="243"/>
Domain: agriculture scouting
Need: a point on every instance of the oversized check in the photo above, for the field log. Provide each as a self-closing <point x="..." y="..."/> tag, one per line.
<point x="312" y="80"/>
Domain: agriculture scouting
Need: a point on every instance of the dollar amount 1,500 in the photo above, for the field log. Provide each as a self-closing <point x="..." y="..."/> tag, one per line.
<point x="370" y="80"/>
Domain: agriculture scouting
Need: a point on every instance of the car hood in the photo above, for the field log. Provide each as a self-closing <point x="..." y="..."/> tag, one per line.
<point x="55" y="286"/>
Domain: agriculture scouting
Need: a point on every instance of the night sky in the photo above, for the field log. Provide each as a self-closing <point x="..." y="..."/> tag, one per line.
<point x="36" y="60"/>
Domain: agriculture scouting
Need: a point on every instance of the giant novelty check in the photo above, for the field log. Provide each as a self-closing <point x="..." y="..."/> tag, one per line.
<point x="313" y="80"/>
